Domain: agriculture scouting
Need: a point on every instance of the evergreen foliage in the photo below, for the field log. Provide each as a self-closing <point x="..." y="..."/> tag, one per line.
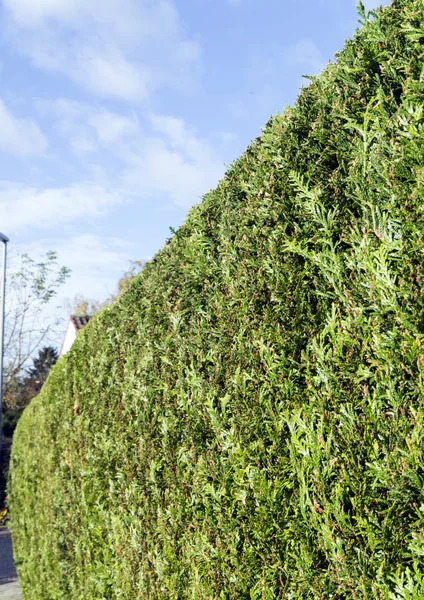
<point x="19" y="394"/>
<point x="41" y="365"/>
<point x="246" y="421"/>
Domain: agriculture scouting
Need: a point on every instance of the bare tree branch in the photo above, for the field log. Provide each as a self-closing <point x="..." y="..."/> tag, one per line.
<point x="31" y="286"/>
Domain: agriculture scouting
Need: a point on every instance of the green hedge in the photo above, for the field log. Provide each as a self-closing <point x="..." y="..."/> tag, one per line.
<point x="247" y="421"/>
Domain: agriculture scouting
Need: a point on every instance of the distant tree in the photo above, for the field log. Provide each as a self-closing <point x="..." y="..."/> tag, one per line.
<point x="81" y="305"/>
<point x="29" y="383"/>
<point x="42" y="364"/>
<point x="30" y="324"/>
<point x="30" y="316"/>
<point x="130" y="274"/>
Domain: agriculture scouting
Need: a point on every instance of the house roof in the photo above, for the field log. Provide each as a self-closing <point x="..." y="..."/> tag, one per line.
<point x="80" y="321"/>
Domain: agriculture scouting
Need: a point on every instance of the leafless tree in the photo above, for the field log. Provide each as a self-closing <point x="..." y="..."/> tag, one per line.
<point x="80" y="305"/>
<point x="31" y="318"/>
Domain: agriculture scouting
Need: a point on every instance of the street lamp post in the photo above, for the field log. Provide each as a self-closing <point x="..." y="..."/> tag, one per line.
<point x="3" y="239"/>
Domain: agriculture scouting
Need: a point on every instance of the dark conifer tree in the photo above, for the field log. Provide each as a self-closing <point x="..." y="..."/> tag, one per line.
<point x="41" y="366"/>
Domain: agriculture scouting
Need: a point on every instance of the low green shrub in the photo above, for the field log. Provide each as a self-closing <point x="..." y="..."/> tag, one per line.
<point x="247" y="420"/>
<point x="10" y="421"/>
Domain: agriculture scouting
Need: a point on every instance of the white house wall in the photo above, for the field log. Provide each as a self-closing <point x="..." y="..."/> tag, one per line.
<point x="70" y="336"/>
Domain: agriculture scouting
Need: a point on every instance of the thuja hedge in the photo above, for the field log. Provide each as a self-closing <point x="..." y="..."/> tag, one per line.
<point x="247" y="420"/>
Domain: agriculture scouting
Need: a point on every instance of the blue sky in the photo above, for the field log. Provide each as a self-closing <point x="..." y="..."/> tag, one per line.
<point x="116" y="116"/>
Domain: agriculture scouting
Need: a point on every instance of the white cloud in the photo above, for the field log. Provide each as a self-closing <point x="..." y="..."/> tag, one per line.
<point x="28" y="12"/>
<point x="126" y="49"/>
<point x="20" y="137"/>
<point x="62" y="108"/>
<point x="155" y="155"/>
<point x="305" y="53"/>
<point x="96" y="262"/>
<point x="81" y="144"/>
<point x="23" y="207"/>
<point x="174" y="162"/>
<point x="86" y="127"/>
<point x="69" y="119"/>
<point x="111" y="127"/>
<point x="113" y="75"/>
<point x="178" y="135"/>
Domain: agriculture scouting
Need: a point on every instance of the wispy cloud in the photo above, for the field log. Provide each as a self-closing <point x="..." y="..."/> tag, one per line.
<point x="20" y="137"/>
<point x="127" y="49"/>
<point x="96" y="263"/>
<point x="174" y="162"/>
<point x="111" y="127"/>
<point x="87" y="128"/>
<point x="154" y="155"/>
<point x="305" y="53"/>
<point x="23" y="207"/>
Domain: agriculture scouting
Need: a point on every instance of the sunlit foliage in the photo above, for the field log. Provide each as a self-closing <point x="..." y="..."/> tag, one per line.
<point x="247" y="421"/>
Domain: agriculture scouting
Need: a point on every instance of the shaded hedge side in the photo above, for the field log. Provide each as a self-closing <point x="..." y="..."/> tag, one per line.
<point x="247" y="420"/>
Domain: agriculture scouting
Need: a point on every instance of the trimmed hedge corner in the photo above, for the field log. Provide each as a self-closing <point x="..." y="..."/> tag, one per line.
<point x="247" y="421"/>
